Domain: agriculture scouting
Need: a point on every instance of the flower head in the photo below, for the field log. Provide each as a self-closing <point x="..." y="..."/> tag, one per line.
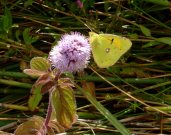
<point x="79" y="3"/>
<point x="71" y="54"/>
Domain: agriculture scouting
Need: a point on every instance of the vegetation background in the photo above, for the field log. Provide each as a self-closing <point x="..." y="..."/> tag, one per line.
<point x="30" y="28"/>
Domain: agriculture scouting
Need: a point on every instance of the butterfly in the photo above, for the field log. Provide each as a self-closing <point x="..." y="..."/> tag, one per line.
<point x="108" y="48"/>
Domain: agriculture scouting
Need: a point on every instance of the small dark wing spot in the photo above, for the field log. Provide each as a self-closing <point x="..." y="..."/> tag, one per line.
<point x="112" y="40"/>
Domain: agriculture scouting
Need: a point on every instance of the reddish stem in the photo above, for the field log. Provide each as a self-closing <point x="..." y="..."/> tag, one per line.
<point x="43" y="130"/>
<point x="49" y="112"/>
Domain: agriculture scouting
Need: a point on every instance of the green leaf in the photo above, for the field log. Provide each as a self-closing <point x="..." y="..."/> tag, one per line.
<point x="33" y="72"/>
<point x="34" y="124"/>
<point x="150" y="44"/>
<point x="28" y="3"/>
<point x="40" y="63"/>
<point x="165" y="40"/>
<point x="17" y="35"/>
<point x="7" y="20"/>
<point x="35" y="97"/>
<point x="63" y="102"/>
<point x="159" y="2"/>
<point x="28" y="39"/>
<point x="145" y="30"/>
<point x="26" y="36"/>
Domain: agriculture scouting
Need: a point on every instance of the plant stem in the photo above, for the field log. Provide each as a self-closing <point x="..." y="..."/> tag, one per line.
<point x="43" y="130"/>
<point x="49" y="112"/>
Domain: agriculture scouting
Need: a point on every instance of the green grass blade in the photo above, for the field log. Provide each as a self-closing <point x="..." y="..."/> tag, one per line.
<point x="159" y="2"/>
<point x="123" y="130"/>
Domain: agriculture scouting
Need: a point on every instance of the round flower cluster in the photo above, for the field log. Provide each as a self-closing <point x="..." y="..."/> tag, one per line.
<point x="71" y="54"/>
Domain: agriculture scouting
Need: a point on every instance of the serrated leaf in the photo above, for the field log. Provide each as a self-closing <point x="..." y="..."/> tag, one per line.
<point x="65" y="82"/>
<point x="33" y="72"/>
<point x="56" y="126"/>
<point x="30" y="127"/>
<point x="33" y="126"/>
<point x="145" y="30"/>
<point x="39" y="63"/>
<point x="42" y="86"/>
<point x="63" y="102"/>
<point x="165" y="40"/>
<point x="35" y="97"/>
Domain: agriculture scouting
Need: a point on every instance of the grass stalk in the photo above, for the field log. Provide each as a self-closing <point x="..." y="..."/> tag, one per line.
<point x="128" y="80"/>
<point x="110" y="117"/>
<point x="15" y="83"/>
<point x="14" y="74"/>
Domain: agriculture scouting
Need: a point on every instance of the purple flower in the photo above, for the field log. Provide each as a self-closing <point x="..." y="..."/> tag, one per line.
<point x="79" y="3"/>
<point x="71" y="54"/>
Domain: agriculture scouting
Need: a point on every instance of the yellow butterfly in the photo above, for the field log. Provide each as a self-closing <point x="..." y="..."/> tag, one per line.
<point x="107" y="48"/>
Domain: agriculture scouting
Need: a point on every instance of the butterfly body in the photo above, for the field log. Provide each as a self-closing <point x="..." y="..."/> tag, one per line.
<point x="108" y="48"/>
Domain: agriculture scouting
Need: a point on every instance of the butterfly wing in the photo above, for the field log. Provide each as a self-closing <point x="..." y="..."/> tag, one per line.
<point x="101" y="50"/>
<point x="121" y="46"/>
<point x="107" y="48"/>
